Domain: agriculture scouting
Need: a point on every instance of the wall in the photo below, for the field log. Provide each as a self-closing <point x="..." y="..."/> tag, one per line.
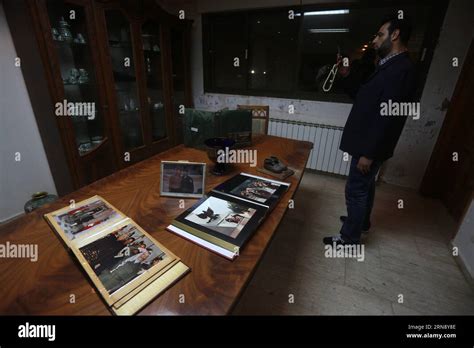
<point x="18" y="133"/>
<point x="419" y="137"/>
<point x="464" y="240"/>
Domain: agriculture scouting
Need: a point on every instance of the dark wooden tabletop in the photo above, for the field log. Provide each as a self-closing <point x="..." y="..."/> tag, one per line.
<point x="214" y="284"/>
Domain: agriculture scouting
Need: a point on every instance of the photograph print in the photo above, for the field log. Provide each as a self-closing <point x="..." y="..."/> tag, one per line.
<point x="256" y="189"/>
<point x="219" y="215"/>
<point x="122" y="256"/>
<point x="182" y="179"/>
<point x="84" y="218"/>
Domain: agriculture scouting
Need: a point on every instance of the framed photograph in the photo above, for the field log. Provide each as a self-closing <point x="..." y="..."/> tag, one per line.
<point x="183" y="179"/>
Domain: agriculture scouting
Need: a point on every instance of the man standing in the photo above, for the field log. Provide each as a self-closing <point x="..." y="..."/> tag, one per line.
<point x="187" y="182"/>
<point x="369" y="137"/>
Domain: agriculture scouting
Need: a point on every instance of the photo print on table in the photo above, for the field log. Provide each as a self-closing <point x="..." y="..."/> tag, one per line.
<point x="121" y="256"/>
<point x="182" y="179"/>
<point x="86" y="217"/>
<point x="221" y="216"/>
<point x="256" y="189"/>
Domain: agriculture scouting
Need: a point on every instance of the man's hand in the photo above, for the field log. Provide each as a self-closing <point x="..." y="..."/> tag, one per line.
<point x="364" y="165"/>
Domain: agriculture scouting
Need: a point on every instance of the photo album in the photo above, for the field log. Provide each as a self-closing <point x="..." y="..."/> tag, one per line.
<point x="225" y="219"/>
<point x="127" y="266"/>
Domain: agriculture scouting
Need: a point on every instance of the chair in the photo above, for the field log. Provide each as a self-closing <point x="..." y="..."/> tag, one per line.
<point x="260" y="115"/>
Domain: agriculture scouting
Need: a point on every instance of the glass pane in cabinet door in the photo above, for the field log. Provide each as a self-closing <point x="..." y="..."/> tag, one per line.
<point x="177" y="57"/>
<point x="81" y="103"/>
<point x="123" y="67"/>
<point x="154" y="78"/>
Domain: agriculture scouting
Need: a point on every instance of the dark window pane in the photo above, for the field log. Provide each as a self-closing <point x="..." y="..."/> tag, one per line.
<point x="273" y="45"/>
<point x="229" y="41"/>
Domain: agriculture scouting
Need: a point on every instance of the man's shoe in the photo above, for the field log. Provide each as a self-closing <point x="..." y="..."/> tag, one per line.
<point x="274" y="165"/>
<point x="365" y="229"/>
<point x="336" y="240"/>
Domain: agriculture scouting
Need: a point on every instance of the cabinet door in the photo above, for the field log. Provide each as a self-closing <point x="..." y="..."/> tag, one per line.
<point x="153" y="63"/>
<point x="122" y="60"/>
<point x="79" y="103"/>
<point x="179" y="76"/>
<point x="136" y="62"/>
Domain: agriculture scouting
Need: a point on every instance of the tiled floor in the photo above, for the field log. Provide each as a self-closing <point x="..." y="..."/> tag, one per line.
<point x="407" y="258"/>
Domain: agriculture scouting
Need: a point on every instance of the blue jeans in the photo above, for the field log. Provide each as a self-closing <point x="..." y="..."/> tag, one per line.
<point x="360" y="193"/>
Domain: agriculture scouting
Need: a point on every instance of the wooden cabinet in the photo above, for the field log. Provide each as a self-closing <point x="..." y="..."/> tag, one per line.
<point x="118" y="74"/>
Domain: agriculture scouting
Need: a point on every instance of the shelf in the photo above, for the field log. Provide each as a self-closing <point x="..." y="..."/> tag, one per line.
<point x="152" y="51"/>
<point x="94" y="147"/>
<point x="79" y="84"/>
<point x="70" y="44"/>
<point x="122" y="77"/>
<point x="127" y="47"/>
<point x="128" y="111"/>
<point x="119" y="44"/>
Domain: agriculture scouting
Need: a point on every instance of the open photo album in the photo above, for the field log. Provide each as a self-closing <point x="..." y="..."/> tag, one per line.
<point x="225" y="219"/>
<point x="126" y="264"/>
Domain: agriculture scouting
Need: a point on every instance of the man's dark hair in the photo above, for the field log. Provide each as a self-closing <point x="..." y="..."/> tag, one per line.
<point x="403" y="25"/>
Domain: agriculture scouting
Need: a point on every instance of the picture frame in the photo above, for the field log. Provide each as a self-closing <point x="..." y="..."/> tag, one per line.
<point x="183" y="179"/>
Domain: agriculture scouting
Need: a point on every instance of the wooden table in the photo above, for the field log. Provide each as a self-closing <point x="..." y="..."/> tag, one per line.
<point x="214" y="283"/>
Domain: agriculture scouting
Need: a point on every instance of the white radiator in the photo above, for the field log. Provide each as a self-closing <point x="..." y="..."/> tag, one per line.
<point x="325" y="155"/>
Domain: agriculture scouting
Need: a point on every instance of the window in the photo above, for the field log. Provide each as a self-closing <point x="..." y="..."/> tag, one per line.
<point x="272" y="49"/>
<point x="289" y="52"/>
<point x="228" y="35"/>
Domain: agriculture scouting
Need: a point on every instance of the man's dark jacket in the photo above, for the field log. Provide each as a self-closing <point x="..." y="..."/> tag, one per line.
<point x="367" y="133"/>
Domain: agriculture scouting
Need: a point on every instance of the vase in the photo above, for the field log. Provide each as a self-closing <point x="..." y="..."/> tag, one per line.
<point x="37" y="200"/>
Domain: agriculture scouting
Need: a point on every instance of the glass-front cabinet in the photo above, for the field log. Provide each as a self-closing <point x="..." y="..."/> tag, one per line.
<point x="118" y="75"/>
<point x="138" y="52"/>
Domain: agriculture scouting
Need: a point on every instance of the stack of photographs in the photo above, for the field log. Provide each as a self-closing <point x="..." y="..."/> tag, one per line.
<point x="225" y="219"/>
<point x="128" y="267"/>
